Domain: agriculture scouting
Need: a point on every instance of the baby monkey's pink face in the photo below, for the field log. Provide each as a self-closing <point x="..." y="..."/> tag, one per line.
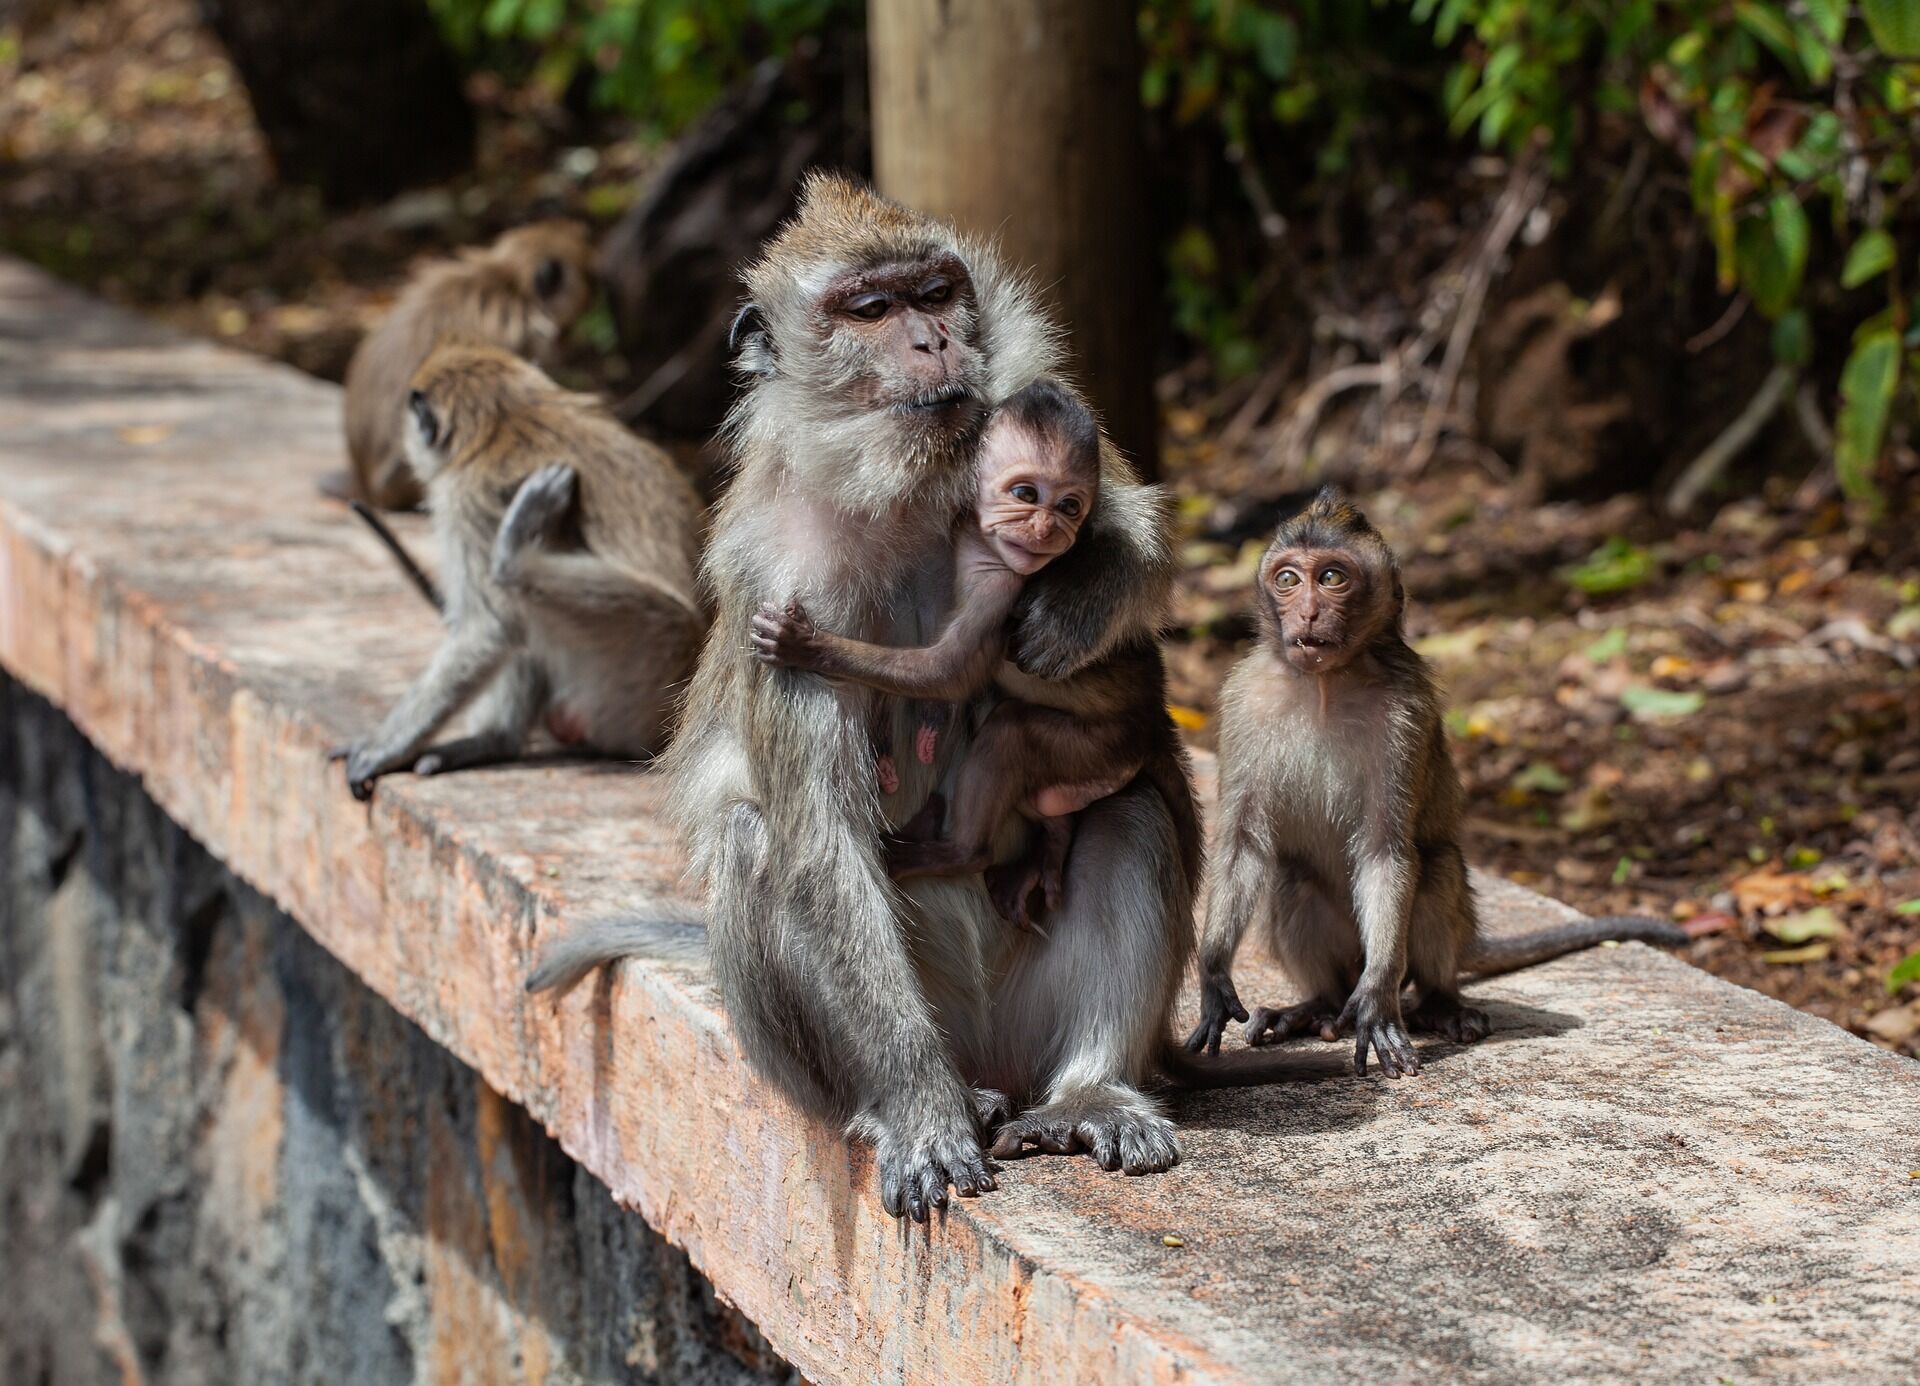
<point x="1033" y="498"/>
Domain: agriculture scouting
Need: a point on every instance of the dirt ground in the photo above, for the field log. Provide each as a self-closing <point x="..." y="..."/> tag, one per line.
<point x="1719" y="722"/>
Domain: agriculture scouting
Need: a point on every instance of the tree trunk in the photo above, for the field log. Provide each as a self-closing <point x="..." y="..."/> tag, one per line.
<point x="1022" y="120"/>
<point x="358" y="97"/>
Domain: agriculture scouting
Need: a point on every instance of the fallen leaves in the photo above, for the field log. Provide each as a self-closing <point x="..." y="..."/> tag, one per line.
<point x="1649" y="704"/>
<point x="1813" y="952"/>
<point x="1819" y="922"/>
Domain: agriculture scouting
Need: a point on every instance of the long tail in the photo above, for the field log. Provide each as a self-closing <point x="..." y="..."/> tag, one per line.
<point x="1493" y="955"/>
<point x="572" y="955"/>
<point x="1243" y="1069"/>
<point x="412" y="571"/>
<point x="1172" y="774"/>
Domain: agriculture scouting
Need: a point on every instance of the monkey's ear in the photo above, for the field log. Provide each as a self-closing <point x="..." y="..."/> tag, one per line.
<point x="546" y="279"/>
<point x="749" y="342"/>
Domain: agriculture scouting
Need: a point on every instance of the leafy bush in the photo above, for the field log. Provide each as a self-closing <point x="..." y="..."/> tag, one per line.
<point x="1797" y="120"/>
<point x="661" y="61"/>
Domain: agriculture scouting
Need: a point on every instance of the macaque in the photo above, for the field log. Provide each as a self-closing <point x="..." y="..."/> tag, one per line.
<point x="520" y="294"/>
<point x="1051" y="746"/>
<point x="875" y="344"/>
<point x="567" y="553"/>
<point x="1340" y="808"/>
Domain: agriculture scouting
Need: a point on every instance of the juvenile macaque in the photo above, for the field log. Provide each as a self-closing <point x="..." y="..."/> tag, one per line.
<point x="1052" y="746"/>
<point x="520" y="294"/>
<point x="567" y="553"/>
<point x="1340" y="808"/>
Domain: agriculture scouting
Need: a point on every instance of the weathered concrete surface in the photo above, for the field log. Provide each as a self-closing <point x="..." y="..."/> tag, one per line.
<point x="1646" y="1172"/>
<point x="223" y="1159"/>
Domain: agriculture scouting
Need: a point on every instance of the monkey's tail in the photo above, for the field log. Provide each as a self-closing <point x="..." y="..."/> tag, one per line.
<point x="572" y="955"/>
<point x="412" y="571"/>
<point x="1493" y="955"/>
<point x="1243" y="1069"/>
<point x="1172" y="774"/>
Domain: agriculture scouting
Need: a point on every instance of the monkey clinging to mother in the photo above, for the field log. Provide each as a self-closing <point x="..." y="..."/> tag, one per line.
<point x="875" y="342"/>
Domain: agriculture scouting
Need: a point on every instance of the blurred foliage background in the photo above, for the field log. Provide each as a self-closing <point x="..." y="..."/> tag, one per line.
<point x="1606" y="307"/>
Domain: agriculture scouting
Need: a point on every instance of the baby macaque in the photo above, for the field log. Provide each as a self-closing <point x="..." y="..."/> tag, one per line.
<point x="1340" y="808"/>
<point x="520" y="294"/>
<point x="1052" y="746"/>
<point x="567" y="554"/>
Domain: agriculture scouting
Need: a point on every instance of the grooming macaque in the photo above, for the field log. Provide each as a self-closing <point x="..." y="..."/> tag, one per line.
<point x="520" y="294"/>
<point x="1052" y="746"/>
<point x="1340" y="809"/>
<point x="567" y="550"/>
<point x="874" y="345"/>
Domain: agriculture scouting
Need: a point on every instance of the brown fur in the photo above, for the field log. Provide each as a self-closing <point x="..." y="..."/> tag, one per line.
<point x="568" y="550"/>
<point x="483" y="297"/>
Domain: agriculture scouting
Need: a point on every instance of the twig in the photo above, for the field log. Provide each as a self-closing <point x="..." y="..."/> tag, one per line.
<point x="1820" y="481"/>
<point x="1727" y="321"/>
<point x="1305" y="415"/>
<point x="1524" y="190"/>
<point x="1705" y="469"/>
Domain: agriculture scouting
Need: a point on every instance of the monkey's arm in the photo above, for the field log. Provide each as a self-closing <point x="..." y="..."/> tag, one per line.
<point x="1241" y="871"/>
<point x="1112" y="584"/>
<point x="952" y="669"/>
<point x="466" y="659"/>
<point x="575" y="580"/>
<point x="1385" y="869"/>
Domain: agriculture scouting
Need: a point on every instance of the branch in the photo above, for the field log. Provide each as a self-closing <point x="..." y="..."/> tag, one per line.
<point x="1705" y="469"/>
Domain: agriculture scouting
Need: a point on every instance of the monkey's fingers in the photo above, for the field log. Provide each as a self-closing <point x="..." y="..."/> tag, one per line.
<point x="1390" y="1044"/>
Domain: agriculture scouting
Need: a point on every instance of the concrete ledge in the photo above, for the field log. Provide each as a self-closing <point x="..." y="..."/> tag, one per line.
<point x="1646" y="1172"/>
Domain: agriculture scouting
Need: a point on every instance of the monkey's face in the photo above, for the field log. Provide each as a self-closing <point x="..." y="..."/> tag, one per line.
<point x="900" y="336"/>
<point x="1032" y="500"/>
<point x="1326" y="605"/>
<point x="553" y="261"/>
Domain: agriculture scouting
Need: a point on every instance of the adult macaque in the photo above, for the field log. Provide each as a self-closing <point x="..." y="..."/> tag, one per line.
<point x="1053" y="745"/>
<point x="875" y="343"/>
<point x="567" y="550"/>
<point x="520" y="294"/>
<point x="1341" y="808"/>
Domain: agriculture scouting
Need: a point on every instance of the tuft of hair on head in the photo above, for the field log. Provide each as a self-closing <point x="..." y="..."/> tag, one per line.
<point x="1051" y="412"/>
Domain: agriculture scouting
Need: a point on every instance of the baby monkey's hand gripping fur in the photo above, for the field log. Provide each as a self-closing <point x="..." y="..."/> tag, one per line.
<point x="1341" y="808"/>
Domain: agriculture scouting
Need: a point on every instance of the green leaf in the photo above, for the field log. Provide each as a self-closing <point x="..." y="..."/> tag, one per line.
<point x="1907" y="907"/>
<point x="1829" y="17"/>
<point x="1895" y="26"/>
<point x="1647" y="702"/>
<point x="1613" y="567"/>
<point x="1872" y="255"/>
<point x="1622" y="871"/>
<point x="1276" y="43"/>
<point x="1867" y="385"/>
<point x="1905" y="971"/>
<point x="1609" y="646"/>
<point x="1767" y="26"/>
<point x="1793" y="339"/>
<point x="1542" y="778"/>
<point x="1818" y="922"/>
<point x="1813" y="952"/>
<point x="1771" y="253"/>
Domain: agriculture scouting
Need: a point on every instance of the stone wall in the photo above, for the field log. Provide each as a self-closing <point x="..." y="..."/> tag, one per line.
<point x="226" y="1160"/>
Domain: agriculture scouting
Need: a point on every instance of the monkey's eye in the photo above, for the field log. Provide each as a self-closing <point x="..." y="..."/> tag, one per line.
<point x="1070" y="507"/>
<point x="1025" y="494"/>
<point x="1332" y="577"/>
<point x="936" y="292"/>
<point x="869" y="307"/>
<point x="1286" y="578"/>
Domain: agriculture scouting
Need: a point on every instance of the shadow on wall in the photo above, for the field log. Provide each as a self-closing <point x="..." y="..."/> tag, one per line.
<point x="225" y="1159"/>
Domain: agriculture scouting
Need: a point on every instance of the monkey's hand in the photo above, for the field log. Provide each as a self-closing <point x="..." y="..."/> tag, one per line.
<point x="542" y="503"/>
<point x="786" y="636"/>
<point x="1377" y="1025"/>
<point x="1219" y="1003"/>
<point x="367" y="763"/>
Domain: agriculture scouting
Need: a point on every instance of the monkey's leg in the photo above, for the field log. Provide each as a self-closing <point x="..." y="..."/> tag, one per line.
<point x="1056" y="842"/>
<point x="1316" y="944"/>
<point x="1091" y="1004"/>
<point x="834" y="1010"/>
<point x="1443" y="924"/>
<point x="504" y="714"/>
<point x="461" y="666"/>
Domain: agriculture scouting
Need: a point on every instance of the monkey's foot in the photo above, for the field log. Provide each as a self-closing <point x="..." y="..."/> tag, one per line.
<point x="1316" y="1017"/>
<point x="466" y="753"/>
<point x="1377" y="1026"/>
<point x="915" y="1171"/>
<point x="992" y="1108"/>
<point x="542" y="502"/>
<point x="365" y="765"/>
<point x="1116" y="1126"/>
<point x="1450" y="1018"/>
<point x="1011" y="887"/>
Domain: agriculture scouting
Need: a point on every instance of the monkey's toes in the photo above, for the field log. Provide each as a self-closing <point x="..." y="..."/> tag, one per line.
<point x="1265" y="1026"/>
<point x="913" y="1183"/>
<point x="991" y="1108"/>
<point x="1390" y="1045"/>
<point x="1451" y="1020"/>
<point x="1136" y="1142"/>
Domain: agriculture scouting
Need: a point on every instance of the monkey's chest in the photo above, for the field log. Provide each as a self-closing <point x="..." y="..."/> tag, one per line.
<point x="1323" y="778"/>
